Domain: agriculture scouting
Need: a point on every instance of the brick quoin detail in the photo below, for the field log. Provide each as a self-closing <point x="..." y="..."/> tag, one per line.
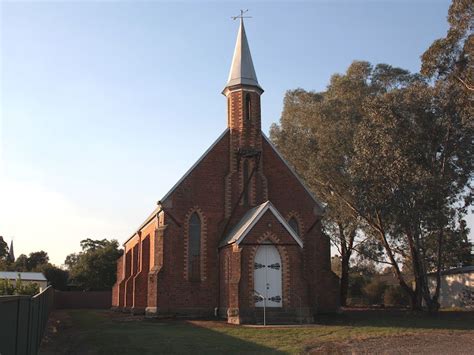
<point x="203" y="242"/>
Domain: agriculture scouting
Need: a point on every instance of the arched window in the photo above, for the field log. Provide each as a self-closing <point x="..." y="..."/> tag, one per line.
<point x="246" y="182"/>
<point x="248" y="106"/>
<point x="294" y="225"/>
<point x="194" y="252"/>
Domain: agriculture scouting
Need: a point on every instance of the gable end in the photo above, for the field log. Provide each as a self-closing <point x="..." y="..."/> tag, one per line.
<point x="320" y="205"/>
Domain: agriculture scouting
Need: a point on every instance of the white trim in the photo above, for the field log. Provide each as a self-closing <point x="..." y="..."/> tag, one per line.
<point x="247" y="227"/>
<point x="194" y="165"/>
<point x="320" y="205"/>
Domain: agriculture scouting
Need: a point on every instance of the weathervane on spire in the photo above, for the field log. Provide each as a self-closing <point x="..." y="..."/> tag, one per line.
<point x="241" y="16"/>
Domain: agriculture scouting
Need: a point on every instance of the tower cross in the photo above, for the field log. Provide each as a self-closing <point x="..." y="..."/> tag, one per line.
<point x="241" y="16"/>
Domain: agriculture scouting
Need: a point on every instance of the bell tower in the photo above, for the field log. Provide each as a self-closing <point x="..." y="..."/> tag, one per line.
<point x="243" y="95"/>
<point x="245" y="183"/>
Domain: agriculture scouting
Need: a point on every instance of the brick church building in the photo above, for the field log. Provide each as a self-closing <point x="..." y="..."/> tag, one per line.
<point x="238" y="232"/>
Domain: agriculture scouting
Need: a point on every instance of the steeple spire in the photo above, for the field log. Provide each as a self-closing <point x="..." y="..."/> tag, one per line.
<point x="242" y="71"/>
<point x="11" y="254"/>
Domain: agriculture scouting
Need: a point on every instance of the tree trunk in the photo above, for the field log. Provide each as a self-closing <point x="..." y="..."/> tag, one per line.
<point x="434" y="304"/>
<point x="420" y="286"/>
<point x="346" y="251"/>
<point x="344" y="278"/>
<point x="409" y="291"/>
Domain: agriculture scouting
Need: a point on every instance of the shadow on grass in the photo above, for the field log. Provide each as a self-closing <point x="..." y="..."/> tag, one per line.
<point x="400" y="319"/>
<point x="93" y="332"/>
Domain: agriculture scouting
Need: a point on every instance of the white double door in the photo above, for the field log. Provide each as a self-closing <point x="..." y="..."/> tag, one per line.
<point x="267" y="277"/>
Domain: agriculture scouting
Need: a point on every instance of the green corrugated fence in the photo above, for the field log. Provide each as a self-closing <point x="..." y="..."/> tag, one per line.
<point x="23" y="321"/>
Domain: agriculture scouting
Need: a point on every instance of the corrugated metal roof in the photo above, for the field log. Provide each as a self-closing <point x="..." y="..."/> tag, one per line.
<point x="245" y="225"/>
<point x="27" y="276"/>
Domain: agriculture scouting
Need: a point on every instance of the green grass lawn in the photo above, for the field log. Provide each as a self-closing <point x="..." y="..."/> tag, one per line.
<point x="103" y="332"/>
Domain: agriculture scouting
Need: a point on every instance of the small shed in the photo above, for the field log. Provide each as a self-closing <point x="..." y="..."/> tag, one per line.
<point x="457" y="287"/>
<point x="26" y="277"/>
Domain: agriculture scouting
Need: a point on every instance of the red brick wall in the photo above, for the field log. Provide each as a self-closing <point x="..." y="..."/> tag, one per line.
<point x="140" y="281"/>
<point x="158" y="279"/>
<point x="126" y="275"/>
<point x="116" y="288"/>
<point x="203" y="189"/>
<point x="289" y="196"/>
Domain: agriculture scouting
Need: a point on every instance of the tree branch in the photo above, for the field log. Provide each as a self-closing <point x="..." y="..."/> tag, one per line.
<point x="466" y="85"/>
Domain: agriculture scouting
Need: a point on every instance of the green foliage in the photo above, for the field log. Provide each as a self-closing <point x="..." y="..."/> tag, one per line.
<point x="452" y="55"/>
<point x="6" y="287"/>
<point x="92" y="245"/>
<point x="71" y="260"/>
<point x="58" y="278"/>
<point x="102" y="334"/>
<point x="95" y="267"/>
<point x="29" y="289"/>
<point x="374" y="291"/>
<point x="37" y="259"/>
<point x="392" y="155"/>
<point x="395" y="296"/>
<point x="20" y="264"/>
<point x="357" y="283"/>
<point x="20" y="288"/>
<point x="364" y="267"/>
<point x="3" y="249"/>
<point x="34" y="262"/>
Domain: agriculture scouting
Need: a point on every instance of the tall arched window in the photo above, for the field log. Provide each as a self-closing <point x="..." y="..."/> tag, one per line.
<point x="294" y="225"/>
<point x="246" y="182"/>
<point x="248" y="106"/>
<point x="194" y="252"/>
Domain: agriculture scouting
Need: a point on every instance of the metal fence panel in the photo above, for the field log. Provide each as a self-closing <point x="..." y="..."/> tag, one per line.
<point x="22" y="325"/>
<point x="23" y="320"/>
<point x="8" y="324"/>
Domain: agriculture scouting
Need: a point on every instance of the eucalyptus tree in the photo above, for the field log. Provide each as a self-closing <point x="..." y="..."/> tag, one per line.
<point x="392" y="161"/>
<point x="316" y="134"/>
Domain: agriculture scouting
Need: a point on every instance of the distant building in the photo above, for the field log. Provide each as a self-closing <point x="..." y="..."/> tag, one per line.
<point x="26" y="277"/>
<point x="457" y="287"/>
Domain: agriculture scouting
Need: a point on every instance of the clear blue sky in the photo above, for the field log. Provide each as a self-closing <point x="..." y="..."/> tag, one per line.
<point x="104" y="105"/>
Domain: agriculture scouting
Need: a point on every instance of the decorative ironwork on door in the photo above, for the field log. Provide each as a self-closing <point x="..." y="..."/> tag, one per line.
<point x="267" y="277"/>
<point x="275" y="299"/>
<point x="275" y="266"/>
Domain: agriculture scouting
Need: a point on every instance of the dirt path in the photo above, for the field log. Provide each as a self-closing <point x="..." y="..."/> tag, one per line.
<point x="434" y="342"/>
<point x="62" y="336"/>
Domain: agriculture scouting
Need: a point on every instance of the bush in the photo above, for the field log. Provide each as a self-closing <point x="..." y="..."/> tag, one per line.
<point x="356" y="285"/>
<point x="20" y="288"/>
<point x="29" y="289"/>
<point x="374" y="291"/>
<point x="6" y="288"/>
<point x="395" y="296"/>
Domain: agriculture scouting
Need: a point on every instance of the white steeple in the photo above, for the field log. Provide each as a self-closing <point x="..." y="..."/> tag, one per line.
<point x="242" y="71"/>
